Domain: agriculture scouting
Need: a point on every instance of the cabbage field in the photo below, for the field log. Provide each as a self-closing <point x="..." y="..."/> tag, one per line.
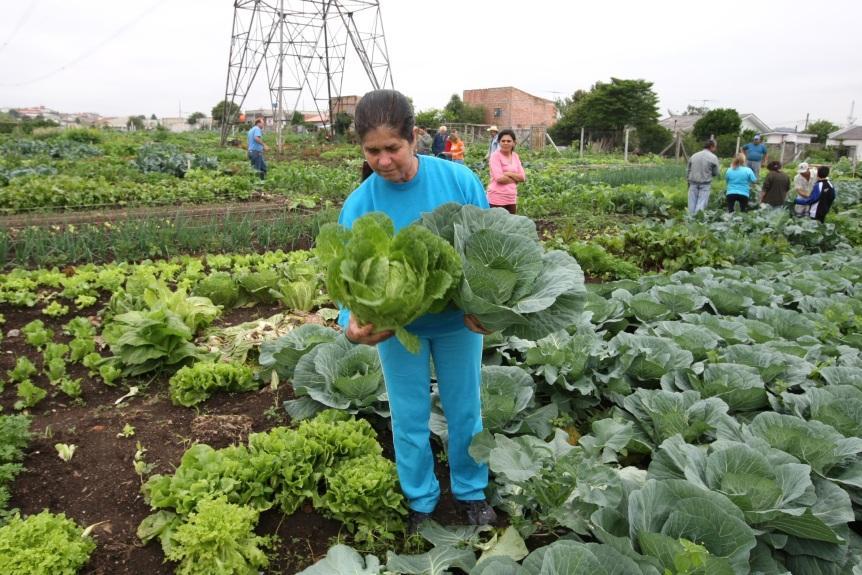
<point x="661" y="394"/>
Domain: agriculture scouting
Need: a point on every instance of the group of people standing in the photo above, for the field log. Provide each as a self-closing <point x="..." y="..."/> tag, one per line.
<point x="504" y="164"/>
<point x="814" y="194"/>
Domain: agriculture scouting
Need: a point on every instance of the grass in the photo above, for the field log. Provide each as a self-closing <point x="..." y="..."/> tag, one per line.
<point x="135" y="240"/>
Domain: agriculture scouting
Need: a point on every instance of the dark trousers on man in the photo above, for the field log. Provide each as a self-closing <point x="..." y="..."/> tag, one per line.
<point x="824" y="204"/>
<point x="258" y="163"/>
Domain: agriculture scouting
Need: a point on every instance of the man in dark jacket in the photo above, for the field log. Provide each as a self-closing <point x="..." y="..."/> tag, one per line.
<point x="438" y="146"/>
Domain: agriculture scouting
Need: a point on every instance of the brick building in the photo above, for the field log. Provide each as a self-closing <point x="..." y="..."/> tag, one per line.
<point x="510" y="107"/>
<point x="345" y="104"/>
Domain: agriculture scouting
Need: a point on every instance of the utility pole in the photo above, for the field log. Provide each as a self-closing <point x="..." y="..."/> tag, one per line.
<point x="581" y="153"/>
<point x="806" y="122"/>
<point x="626" y="150"/>
<point x="279" y="109"/>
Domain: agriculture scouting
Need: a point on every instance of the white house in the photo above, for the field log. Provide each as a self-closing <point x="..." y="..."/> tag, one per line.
<point x="684" y="123"/>
<point x="786" y="143"/>
<point x="175" y="124"/>
<point x="851" y="136"/>
<point x="753" y="123"/>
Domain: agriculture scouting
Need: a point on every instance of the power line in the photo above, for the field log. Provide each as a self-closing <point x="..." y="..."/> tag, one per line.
<point x="89" y="52"/>
<point x="20" y="24"/>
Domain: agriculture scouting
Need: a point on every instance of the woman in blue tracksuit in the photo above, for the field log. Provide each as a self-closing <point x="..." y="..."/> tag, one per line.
<point x="403" y="186"/>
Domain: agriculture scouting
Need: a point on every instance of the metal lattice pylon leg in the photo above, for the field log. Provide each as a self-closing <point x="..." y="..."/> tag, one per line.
<point x="302" y="47"/>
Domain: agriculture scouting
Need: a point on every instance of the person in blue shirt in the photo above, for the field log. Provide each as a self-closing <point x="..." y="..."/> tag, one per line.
<point x="256" y="147"/>
<point x="739" y="179"/>
<point x="403" y="186"/>
<point x="755" y="155"/>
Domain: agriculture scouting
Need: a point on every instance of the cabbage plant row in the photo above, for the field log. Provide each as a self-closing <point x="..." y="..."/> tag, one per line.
<point x="722" y="420"/>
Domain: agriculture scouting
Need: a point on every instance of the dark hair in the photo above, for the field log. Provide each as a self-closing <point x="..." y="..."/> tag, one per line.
<point x="774" y="165"/>
<point x="708" y="144"/>
<point x="384" y="108"/>
<point x="366" y="171"/>
<point x="823" y="172"/>
<point x="507" y="132"/>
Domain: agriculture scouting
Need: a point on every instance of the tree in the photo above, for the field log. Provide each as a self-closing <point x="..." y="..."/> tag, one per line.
<point x="563" y="104"/>
<point x="457" y="111"/>
<point x="342" y="123"/>
<point x="453" y="110"/>
<point x="821" y="130"/>
<point x="135" y="122"/>
<point x="193" y="119"/>
<point x="717" y="123"/>
<point x="695" y="110"/>
<point x="429" y="118"/>
<point x="219" y="110"/>
<point x="296" y="119"/>
<point x="652" y="138"/>
<point x="608" y="107"/>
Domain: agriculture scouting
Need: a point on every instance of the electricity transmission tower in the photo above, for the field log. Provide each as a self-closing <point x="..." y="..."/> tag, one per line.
<point x="300" y="47"/>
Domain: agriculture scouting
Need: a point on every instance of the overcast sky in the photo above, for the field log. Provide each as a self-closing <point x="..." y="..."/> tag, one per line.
<point x="779" y="60"/>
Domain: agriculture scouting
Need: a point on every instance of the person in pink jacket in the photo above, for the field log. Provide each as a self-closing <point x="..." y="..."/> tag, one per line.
<point x="506" y="173"/>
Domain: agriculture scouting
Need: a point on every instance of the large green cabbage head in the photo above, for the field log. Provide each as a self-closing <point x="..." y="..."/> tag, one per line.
<point x="511" y="283"/>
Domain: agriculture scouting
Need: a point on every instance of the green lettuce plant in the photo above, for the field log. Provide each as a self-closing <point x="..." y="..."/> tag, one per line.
<point x="29" y="394"/>
<point x="363" y="494"/>
<point x="194" y="384"/>
<point x="219" y="538"/>
<point x="23" y="369"/>
<point x="43" y="544"/>
<point x="388" y="279"/>
<point x="37" y="334"/>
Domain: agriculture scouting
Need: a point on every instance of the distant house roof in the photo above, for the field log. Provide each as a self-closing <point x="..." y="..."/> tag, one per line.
<point x="755" y="122"/>
<point x="315" y="118"/>
<point x="848" y="133"/>
<point x="685" y="122"/>
<point x="682" y="122"/>
<point x="786" y="131"/>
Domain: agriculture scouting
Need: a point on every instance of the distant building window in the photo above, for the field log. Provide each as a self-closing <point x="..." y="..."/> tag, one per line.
<point x="498" y="112"/>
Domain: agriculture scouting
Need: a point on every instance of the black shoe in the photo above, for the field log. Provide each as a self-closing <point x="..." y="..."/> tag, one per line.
<point x="414" y="520"/>
<point x="478" y="512"/>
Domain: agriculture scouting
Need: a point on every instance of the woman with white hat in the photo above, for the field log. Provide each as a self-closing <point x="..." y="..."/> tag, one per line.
<point x="802" y="185"/>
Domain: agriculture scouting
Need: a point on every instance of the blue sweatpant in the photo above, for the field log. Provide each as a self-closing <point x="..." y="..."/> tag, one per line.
<point x="457" y="356"/>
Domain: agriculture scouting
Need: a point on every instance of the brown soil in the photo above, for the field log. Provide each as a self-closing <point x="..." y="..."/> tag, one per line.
<point x="99" y="485"/>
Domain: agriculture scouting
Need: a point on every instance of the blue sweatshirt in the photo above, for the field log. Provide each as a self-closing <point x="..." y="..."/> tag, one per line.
<point x="739" y="181"/>
<point x="436" y="182"/>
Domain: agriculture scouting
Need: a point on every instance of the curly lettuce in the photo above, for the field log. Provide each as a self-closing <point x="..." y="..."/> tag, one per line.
<point x="386" y="279"/>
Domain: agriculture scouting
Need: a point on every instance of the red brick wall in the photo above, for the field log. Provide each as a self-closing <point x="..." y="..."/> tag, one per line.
<point x="518" y="108"/>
